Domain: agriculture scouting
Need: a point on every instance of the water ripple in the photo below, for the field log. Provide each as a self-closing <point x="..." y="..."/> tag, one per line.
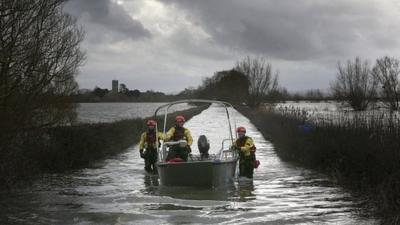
<point x="118" y="191"/>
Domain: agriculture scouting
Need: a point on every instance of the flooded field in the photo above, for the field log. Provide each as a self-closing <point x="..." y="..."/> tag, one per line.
<point x="334" y="112"/>
<point x="118" y="191"/>
<point x="108" y="112"/>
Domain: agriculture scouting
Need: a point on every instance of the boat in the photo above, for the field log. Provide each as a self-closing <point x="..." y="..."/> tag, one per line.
<point x="214" y="170"/>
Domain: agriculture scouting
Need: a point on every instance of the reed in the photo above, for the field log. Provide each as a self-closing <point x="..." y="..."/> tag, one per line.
<point x="361" y="152"/>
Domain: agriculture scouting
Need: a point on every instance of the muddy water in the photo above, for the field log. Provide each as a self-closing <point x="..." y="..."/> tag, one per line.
<point x="117" y="191"/>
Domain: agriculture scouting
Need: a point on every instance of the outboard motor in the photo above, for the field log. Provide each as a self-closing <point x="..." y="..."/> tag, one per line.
<point x="204" y="145"/>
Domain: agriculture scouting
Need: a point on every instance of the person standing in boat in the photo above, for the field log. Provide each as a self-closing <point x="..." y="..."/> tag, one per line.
<point x="246" y="149"/>
<point x="177" y="133"/>
<point x="148" y="146"/>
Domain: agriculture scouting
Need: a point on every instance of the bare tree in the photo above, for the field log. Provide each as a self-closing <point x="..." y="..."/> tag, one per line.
<point x="354" y="84"/>
<point x="387" y="72"/>
<point x="228" y="85"/>
<point x="39" y="58"/>
<point x="314" y="94"/>
<point x="262" y="81"/>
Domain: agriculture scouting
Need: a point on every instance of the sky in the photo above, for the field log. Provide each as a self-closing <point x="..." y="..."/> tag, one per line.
<point x="170" y="45"/>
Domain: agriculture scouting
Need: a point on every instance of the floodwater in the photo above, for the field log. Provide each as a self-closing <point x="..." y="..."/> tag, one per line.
<point x="336" y="112"/>
<point x="118" y="191"/>
<point x="109" y="112"/>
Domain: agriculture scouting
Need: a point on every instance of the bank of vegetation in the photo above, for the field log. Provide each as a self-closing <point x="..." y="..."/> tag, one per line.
<point x="361" y="153"/>
<point x="61" y="148"/>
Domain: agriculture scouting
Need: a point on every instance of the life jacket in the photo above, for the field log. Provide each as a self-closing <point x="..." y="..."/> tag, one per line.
<point x="151" y="138"/>
<point x="179" y="133"/>
<point x="240" y="142"/>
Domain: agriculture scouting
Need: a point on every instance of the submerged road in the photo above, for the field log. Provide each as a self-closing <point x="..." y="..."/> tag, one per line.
<point x="118" y="191"/>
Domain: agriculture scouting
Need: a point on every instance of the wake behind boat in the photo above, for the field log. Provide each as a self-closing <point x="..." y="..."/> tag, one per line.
<point x="203" y="169"/>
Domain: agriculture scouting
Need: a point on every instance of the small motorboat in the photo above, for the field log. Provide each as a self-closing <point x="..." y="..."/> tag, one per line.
<point x="203" y="169"/>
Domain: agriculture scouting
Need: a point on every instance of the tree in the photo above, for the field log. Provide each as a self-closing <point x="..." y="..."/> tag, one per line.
<point x="134" y="93"/>
<point x="314" y="94"/>
<point x="279" y="94"/>
<point x="189" y="92"/>
<point x="386" y="71"/>
<point x="230" y="85"/>
<point x="259" y="74"/>
<point x="39" y="59"/>
<point x="354" y="84"/>
<point x="123" y="89"/>
<point x="99" y="92"/>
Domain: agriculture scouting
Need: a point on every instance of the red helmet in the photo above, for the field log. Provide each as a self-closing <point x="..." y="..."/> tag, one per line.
<point x="241" y="130"/>
<point x="151" y="123"/>
<point x="179" y="118"/>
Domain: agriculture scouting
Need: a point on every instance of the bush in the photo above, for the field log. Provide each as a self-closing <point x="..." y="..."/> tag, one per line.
<point x="354" y="84"/>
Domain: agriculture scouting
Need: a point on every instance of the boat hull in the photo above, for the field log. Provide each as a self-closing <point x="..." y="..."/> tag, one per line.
<point x="197" y="173"/>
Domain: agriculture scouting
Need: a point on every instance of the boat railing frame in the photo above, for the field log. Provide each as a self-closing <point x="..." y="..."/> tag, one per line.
<point x="223" y="152"/>
<point x="226" y="105"/>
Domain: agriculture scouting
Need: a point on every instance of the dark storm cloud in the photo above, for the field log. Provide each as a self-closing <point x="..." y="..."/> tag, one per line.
<point x="168" y="45"/>
<point x="108" y="16"/>
<point x="293" y="30"/>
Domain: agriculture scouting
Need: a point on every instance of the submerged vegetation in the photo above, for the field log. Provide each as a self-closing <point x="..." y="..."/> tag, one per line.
<point x="361" y="153"/>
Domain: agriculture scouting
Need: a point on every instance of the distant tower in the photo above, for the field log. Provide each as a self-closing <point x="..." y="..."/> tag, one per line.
<point x="115" y="86"/>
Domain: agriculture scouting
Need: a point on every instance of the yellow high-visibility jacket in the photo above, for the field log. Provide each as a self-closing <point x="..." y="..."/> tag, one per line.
<point x="143" y="144"/>
<point x="186" y="135"/>
<point x="245" y="146"/>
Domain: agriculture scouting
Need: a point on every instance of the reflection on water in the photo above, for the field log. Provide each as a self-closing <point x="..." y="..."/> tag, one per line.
<point x="118" y="191"/>
<point x="151" y="184"/>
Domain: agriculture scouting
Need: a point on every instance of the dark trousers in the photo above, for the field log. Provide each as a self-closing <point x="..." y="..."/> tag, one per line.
<point x="176" y="151"/>
<point x="246" y="167"/>
<point x="150" y="159"/>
